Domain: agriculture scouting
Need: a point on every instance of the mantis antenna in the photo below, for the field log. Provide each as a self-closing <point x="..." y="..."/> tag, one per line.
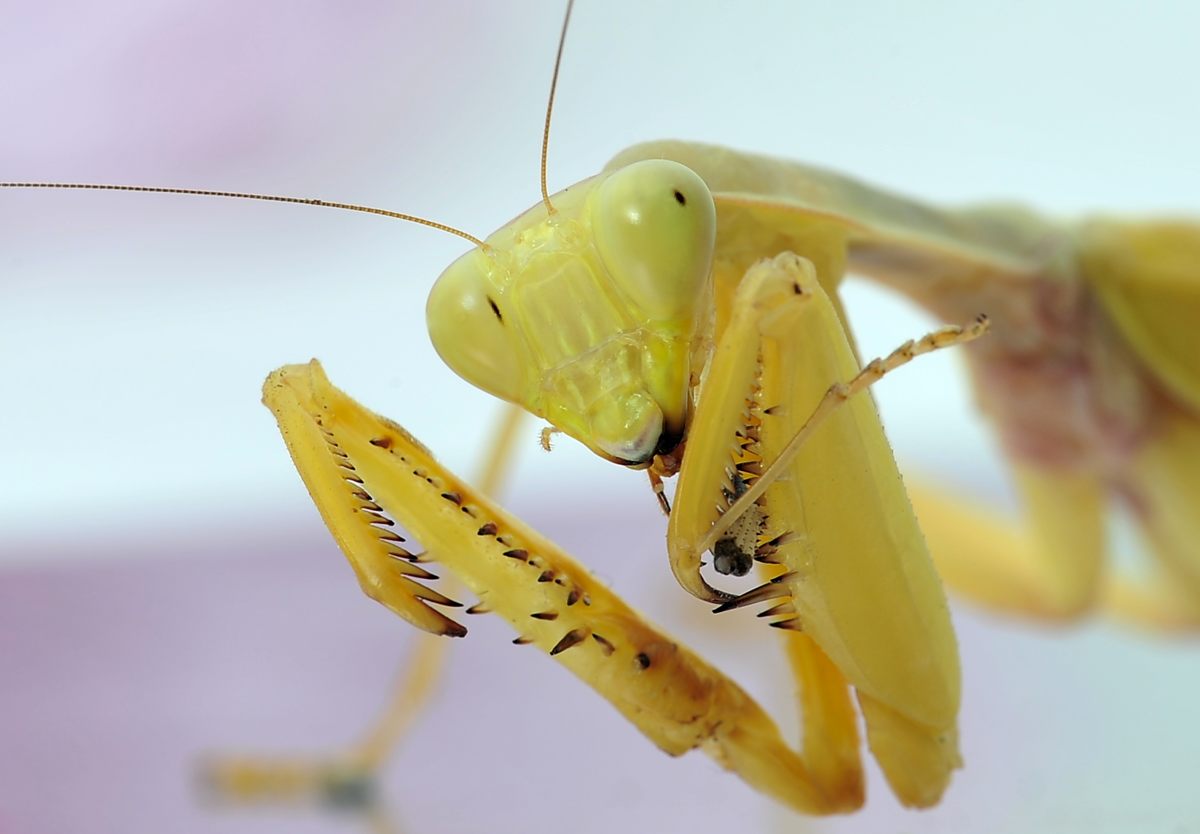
<point x="243" y="196"/>
<point x="562" y="39"/>
<point x="308" y="201"/>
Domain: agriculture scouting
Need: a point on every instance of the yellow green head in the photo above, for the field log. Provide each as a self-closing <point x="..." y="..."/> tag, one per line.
<point x="586" y="315"/>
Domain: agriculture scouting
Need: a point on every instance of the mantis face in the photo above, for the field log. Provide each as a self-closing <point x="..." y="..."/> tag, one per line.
<point x="585" y="314"/>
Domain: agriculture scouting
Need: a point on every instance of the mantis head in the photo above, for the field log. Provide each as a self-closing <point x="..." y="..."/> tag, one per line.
<point x="584" y="310"/>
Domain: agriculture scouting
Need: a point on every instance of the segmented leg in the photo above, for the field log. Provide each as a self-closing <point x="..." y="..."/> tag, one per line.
<point x="829" y="724"/>
<point x="837" y="395"/>
<point x="831" y="519"/>
<point x="348" y="777"/>
<point x="1155" y="604"/>
<point x="354" y="461"/>
<point x="1049" y="567"/>
<point x="345" y="779"/>
<point x="416" y="683"/>
<point x="1163" y="492"/>
<point x="1049" y="563"/>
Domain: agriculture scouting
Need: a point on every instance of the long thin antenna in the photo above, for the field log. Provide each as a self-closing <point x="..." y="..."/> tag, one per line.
<point x="241" y="196"/>
<point x="562" y="39"/>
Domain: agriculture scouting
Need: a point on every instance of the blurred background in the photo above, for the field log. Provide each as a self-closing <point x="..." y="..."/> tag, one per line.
<point x="166" y="587"/>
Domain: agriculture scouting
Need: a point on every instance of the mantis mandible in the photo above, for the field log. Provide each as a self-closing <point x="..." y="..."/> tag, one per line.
<point x="681" y="153"/>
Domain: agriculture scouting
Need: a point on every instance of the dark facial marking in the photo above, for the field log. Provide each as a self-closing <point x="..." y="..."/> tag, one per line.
<point x="496" y="310"/>
<point x="679" y="198"/>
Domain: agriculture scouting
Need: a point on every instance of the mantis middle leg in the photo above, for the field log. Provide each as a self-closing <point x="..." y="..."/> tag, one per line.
<point x="348" y="776"/>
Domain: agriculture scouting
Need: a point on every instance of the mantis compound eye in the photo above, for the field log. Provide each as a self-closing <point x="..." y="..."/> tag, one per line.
<point x="468" y="330"/>
<point x="654" y="224"/>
